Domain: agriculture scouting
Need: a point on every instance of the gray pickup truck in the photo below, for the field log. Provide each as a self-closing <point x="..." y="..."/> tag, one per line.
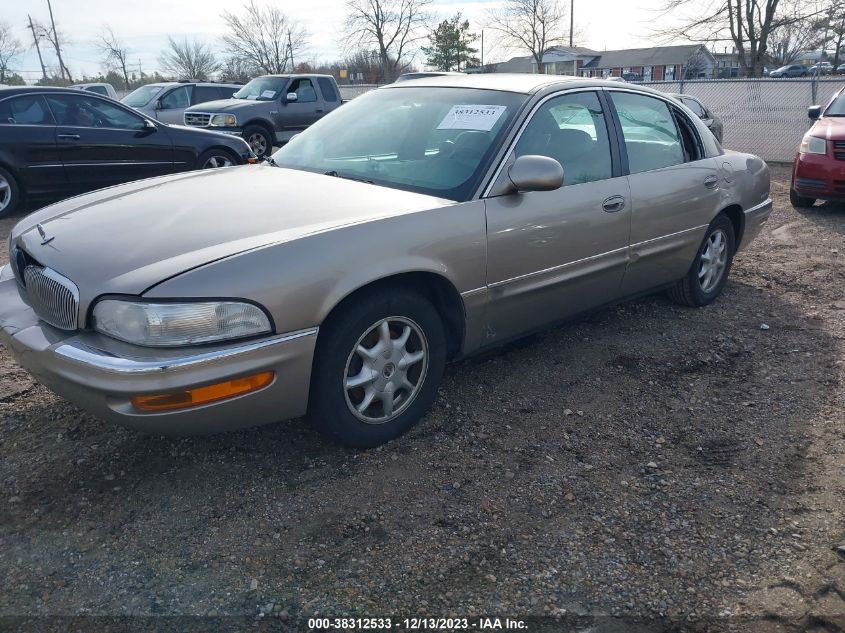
<point x="269" y="110"/>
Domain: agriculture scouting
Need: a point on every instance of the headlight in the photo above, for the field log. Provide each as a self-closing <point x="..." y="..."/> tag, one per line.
<point x="813" y="145"/>
<point x="224" y="120"/>
<point x="173" y="324"/>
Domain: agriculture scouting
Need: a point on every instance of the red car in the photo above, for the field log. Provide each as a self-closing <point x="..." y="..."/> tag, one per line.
<point x="818" y="172"/>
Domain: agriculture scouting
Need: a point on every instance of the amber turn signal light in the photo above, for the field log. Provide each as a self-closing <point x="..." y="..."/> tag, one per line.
<point x="252" y="161"/>
<point x="203" y="395"/>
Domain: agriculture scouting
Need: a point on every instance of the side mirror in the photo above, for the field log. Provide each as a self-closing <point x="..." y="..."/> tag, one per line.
<point x="814" y="112"/>
<point x="149" y="125"/>
<point x="158" y="105"/>
<point x="535" y="173"/>
<point x="292" y="97"/>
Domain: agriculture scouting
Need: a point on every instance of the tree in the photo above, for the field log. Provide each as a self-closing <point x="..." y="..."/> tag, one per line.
<point x="115" y="53"/>
<point x="265" y="38"/>
<point x="390" y="27"/>
<point x="530" y="25"/>
<point x="790" y="39"/>
<point x="189" y="59"/>
<point x="10" y="48"/>
<point x="835" y="23"/>
<point x="748" y="24"/>
<point x="235" y="69"/>
<point x="451" y="45"/>
<point x="695" y="66"/>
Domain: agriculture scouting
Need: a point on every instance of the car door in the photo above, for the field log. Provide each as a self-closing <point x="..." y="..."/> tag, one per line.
<point x="552" y="254"/>
<point x="102" y="143"/>
<point x="674" y="188"/>
<point x="298" y="115"/>
<point x="28" y="140"/>
<point x="171" y="106"/>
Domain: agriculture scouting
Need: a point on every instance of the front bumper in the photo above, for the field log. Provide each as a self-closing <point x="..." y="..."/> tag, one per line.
<point x="102" y="375"/>
<point x="819" y="176"/>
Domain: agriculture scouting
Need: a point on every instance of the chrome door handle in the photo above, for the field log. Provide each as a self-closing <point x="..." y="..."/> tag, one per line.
<point x="711" y="181"/>
<point x="72" y="137"/>
<point x="613" y="204"/>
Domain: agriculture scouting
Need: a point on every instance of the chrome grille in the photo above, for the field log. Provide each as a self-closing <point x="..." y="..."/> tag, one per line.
<point x="839" y="150"/>
<point x="197" y="119"/>
<point x="54" y="298"/>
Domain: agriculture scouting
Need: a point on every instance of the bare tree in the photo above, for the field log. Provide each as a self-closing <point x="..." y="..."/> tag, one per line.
<point x="748" y="24"/>
<point x="390" y="27"/>
<point x="790" y="39"/>
<point x="10" y="48"/>
<point x="235" y="69"/>
<point x="189" y="59"/>
<point x="530" y="25"/>
<point x="115" y="53"/>
<point x="264" y="37"/>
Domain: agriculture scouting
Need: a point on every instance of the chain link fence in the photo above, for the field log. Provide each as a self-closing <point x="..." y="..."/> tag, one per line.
<point x="766" y="117"/>
<point x="355" y="90"/>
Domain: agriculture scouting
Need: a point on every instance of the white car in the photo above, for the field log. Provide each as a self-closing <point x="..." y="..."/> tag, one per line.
<point x="106" y="90"/>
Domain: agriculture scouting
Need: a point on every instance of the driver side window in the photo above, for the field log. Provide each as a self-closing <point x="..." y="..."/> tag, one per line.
<point x="73" y="111"/>
<point x="304" y="90"/>
<point x="179" y="98"/>
<point x="571" y="129"/>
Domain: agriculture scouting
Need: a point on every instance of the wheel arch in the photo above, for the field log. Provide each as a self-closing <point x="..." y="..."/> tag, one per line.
<point x="438" y="289"/>
<point x="736" y="215"/>
<point x="267" y="125"/>
<point x="221" y="148"/>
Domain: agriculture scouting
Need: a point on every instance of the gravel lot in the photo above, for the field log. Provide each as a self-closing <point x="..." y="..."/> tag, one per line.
<point x="682" y="466"/>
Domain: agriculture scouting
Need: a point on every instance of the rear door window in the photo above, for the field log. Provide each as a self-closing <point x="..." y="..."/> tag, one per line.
<point x="652" y="139"/>
<point x="26" y="110"/>
<point x="205" y="93"/>
<point x="327" y="88"/>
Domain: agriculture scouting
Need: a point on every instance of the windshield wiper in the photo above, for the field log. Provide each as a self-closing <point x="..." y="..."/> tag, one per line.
<point x="334" y="173"/>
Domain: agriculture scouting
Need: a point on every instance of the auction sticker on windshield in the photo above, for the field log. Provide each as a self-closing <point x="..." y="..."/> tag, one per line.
<point x="472" y="117"/>
<point x="268" y="94"/>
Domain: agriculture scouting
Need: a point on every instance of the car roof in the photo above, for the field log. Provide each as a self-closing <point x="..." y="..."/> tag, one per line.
<point x="9" y="91"/>
<point x="523" y="83"/>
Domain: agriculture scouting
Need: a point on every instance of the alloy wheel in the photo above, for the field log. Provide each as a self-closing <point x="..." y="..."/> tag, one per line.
<point x="385" y="370"/>
<point x="258" y="143"/>
<point x="714" y="260"/>
<point x="5" y="193"/>
<point x="217" y="161"/>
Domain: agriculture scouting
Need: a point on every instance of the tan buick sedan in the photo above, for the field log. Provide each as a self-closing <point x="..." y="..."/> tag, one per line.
<point x="419" y="223"/>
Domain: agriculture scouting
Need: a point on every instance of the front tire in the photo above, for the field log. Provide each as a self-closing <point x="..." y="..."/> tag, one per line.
<point x="214" y="159"/>
<point x="800" y="202"/>
<point x="379" y="360"/>
<point x="10" y="195"/>
<point x="709" y="271"/>
<point x="259" y="140"/>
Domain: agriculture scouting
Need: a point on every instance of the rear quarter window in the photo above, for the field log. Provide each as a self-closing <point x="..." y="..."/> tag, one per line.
<point x="327" y="88"/>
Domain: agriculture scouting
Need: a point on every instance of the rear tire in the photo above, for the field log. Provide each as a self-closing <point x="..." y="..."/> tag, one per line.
<point x="800" y="202"/>
<point x="10" y="195"/>
<point x="379" y="360"/>
<point x="709" y="271"/>
<point x="259" y="140"/>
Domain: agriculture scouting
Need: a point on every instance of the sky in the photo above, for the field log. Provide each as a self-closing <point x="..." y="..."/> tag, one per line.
<point x="144" y="26"/>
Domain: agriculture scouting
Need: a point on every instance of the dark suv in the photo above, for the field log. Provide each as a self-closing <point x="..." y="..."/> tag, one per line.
<point x="57" y="142"/>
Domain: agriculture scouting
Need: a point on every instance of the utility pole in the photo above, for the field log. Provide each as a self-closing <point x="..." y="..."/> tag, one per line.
<point x="482" y="48"/>
<point x="571" y="21"/>
<point x="62" y="67"/>
<point x="37" y="47"/>
<point x="290" y="52"/>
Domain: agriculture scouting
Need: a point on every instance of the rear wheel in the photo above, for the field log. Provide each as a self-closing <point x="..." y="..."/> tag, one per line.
<point x="709" y="271"/>
<point x="259" y="140"/>
<point x="379" y="360"/>
<point x="9" y="193"/>
<point x="800" y="202"/>
<point x="214" y="158"/>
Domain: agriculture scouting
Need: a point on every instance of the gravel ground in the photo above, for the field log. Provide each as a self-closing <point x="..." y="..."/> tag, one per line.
<point x="682" y="466"/>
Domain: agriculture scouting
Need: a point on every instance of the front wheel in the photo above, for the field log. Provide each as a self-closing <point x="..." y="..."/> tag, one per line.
<point x="709" y="271"/>
<point x="800" y="202"/>
<point x="9" y="193"/>
<point x="214" y="158"/>
<point x="379" y="361"/>
<point x="258" y="139"/>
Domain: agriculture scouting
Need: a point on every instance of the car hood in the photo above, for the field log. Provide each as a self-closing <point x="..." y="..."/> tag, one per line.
<point x="128" y="238"/>
<point x="226" y="105"/>
<point x="831" y="128"/>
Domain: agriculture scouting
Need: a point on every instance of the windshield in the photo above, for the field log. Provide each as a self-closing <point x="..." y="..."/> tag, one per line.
<point x="262" y="89"/>
<point x="837" y="106"/>
<point x="436" y="141"/>
<point x="142" y="96"/>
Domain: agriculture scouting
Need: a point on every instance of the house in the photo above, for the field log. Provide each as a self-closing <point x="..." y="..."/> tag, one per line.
<point x="727" y="65"/>
<point x="660" y="63"/>
<point x="652" y="64"/>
